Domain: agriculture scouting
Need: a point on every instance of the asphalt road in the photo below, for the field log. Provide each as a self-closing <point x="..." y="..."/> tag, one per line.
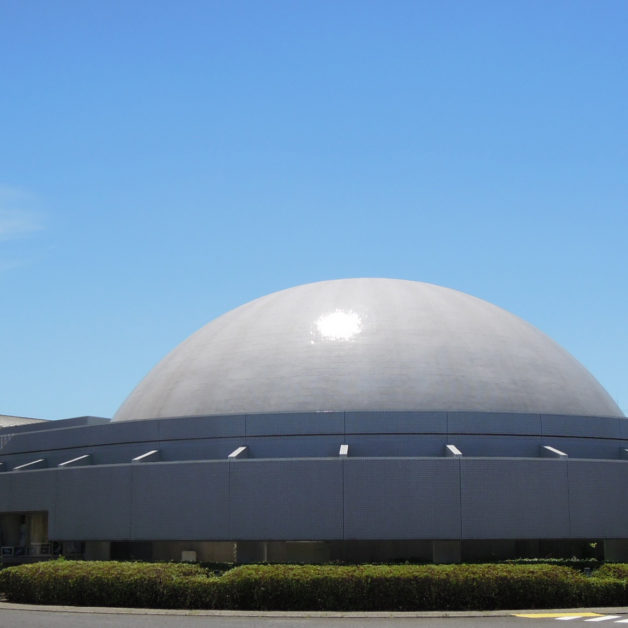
<point x="14" y="618"/>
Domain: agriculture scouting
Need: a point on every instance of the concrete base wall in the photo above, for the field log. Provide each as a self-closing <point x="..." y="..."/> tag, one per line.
<point x="446" y="551"/>
<point x="205" y="551"/>
<point x="616" y="550"/>
<point x="97" y="550"/>
<point x="452" y="551"/>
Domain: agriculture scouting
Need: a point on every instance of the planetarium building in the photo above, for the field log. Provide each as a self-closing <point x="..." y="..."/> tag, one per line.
<point x="357" y="419"/>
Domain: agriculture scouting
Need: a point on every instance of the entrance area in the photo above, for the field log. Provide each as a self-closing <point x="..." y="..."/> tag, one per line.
<point x="24" y="537"/>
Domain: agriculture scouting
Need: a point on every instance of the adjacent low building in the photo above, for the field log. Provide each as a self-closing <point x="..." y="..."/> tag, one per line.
<point x="358" y="419"/>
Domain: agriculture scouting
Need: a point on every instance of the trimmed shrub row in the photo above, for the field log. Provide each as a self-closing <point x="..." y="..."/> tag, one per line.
<point x="416" y="587"/>
<point x="97" y="583"/>
<point x="313" y="587"/>
<point x="613" y="570"/>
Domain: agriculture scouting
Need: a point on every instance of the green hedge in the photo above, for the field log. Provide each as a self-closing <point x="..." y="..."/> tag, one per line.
<point x="415" y="587"/>
<point x="310" y="587"/>
<point x="613" y="570"/>
<point x="97" y="583"/>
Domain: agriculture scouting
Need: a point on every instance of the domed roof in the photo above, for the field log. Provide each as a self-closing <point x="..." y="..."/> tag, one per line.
<point x="367" y="345"/>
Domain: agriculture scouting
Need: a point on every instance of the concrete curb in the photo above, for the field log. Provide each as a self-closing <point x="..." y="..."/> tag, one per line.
<point x="301" y="614"/>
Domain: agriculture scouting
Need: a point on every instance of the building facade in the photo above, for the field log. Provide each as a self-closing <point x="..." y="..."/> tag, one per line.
<point x="363" y="419"/>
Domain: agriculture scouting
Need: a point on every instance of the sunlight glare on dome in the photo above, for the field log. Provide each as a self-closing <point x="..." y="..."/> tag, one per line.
<point x="339" y="325"/>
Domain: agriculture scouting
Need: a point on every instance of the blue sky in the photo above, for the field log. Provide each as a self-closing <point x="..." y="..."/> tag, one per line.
<point x="163" y="162"/>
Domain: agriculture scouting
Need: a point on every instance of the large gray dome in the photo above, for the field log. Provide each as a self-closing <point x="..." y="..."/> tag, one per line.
<point x="367" y="345"/>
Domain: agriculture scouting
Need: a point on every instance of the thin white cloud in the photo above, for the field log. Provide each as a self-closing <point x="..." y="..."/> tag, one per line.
<point x="17" y="216"/>
<point x="6" y="265"/>
<point x="16" y="223"/>
<point x="18" y="220"/>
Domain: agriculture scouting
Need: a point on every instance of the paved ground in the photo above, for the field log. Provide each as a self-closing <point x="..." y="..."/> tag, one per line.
<point x="25" y="616"/>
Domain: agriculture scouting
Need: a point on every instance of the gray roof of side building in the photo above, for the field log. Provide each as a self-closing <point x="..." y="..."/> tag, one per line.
<point x="367" y="345"/>
<point x="7" y="420"/>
